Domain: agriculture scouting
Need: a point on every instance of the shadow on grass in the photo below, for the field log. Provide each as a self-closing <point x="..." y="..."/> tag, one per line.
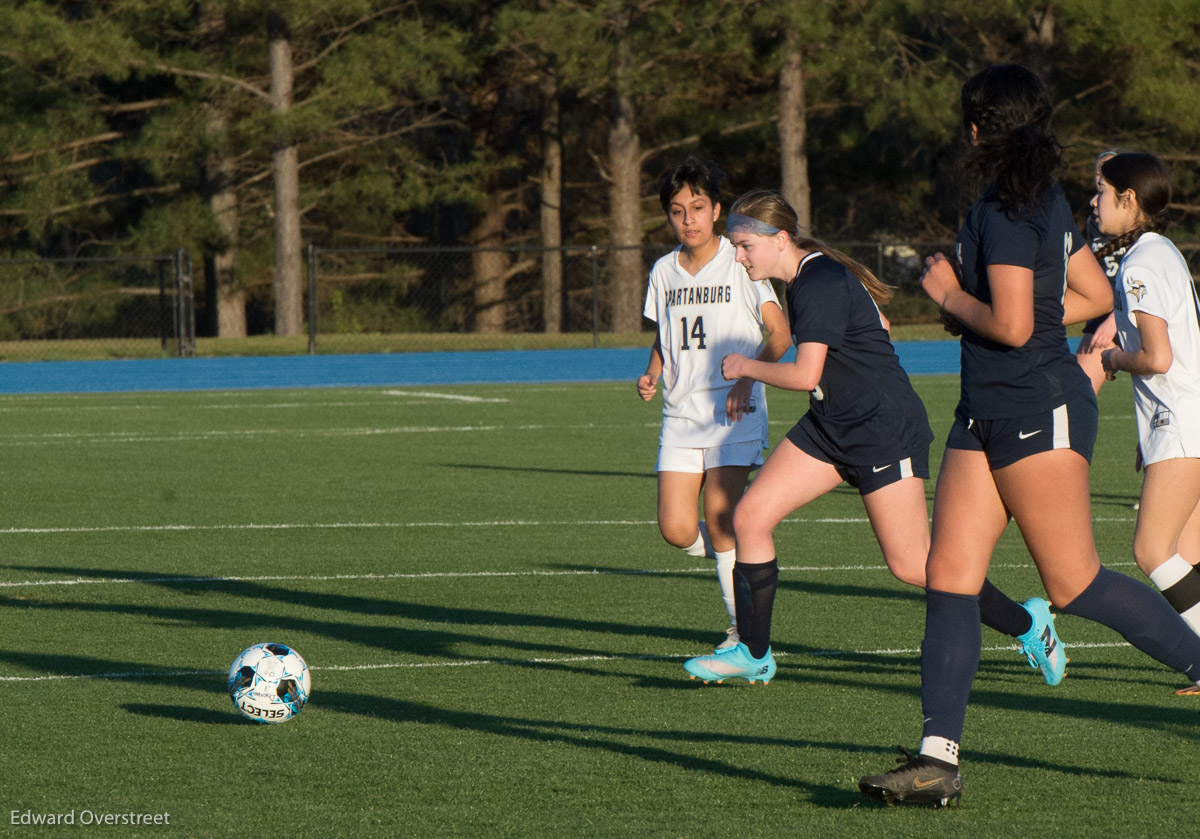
<point x="893" y="591"/>
<point x="1121" y="501"/>
<point x="647" y="745"/>
<point x="182" y="713"/>
<point x="595" y="473"/>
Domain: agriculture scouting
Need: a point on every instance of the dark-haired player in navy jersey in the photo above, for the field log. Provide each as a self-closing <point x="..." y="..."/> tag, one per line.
<point x="1024" y="427"/>
<point x="865" y="425"/>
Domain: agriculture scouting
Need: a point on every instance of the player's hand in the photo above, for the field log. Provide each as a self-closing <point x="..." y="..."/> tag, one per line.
<point x="1106" y="361"/>
<point x="1103" y="338"/>
<point x="737" y="401"/>
<point x="733" y="366"/>
<point x="949" y="323"/>
<point x="939" y="278"/>
<point x="647" y="386"/>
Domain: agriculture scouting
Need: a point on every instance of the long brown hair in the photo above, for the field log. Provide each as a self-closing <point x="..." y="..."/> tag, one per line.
<point x="770" y="208"/>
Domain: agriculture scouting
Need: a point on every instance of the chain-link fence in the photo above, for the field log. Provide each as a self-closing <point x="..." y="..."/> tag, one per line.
<point x="97" y="306"/>
<point x="430" y="289"/>
<point x="141" y="306"/>
<point x="462" y="289"/>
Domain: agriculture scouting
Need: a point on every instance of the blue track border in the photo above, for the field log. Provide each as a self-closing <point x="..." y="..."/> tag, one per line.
<point x="397" y="370"/>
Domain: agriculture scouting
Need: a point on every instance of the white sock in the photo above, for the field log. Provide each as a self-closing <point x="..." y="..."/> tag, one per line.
<point x="1174" y="579"/>
<point x="700" y="546"/>
<point x="940" y="748"/>
<point x="725" y="561"/>
<point x="708" y="548"/>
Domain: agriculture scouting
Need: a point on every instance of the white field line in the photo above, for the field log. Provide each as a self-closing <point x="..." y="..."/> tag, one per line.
<point x="282" y="433"/>
<point x="453" y="396"/>
<point x="367" y="525"/>
<point x="437" y="575"/>
<point x="141" y="674"/>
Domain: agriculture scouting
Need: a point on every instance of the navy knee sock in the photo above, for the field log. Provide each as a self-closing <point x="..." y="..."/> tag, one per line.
<point x="1001" y="612"/>
<point x="754" y="596"/>
<point x="1143" y="618"/>
<point x="949" y="659"/>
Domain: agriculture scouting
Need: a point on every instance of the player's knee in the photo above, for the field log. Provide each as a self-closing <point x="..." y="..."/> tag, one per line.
<point x="1148" y="555"/>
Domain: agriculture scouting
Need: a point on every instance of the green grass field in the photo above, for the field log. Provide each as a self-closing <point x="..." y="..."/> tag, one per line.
<point x="496" y="630"/>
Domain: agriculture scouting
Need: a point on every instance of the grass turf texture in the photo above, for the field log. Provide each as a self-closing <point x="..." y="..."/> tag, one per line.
<point x="496" y="631"/>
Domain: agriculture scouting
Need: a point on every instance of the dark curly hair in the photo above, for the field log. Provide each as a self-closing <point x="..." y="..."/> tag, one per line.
<point x="1013" y="147"/>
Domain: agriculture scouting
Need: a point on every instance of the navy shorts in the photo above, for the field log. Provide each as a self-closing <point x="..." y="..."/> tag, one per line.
<point x="866" y="479"/>
<point x="1071" y="425"/>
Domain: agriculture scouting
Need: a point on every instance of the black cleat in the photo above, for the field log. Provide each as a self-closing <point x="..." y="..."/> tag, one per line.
<point x="920" y="780"/>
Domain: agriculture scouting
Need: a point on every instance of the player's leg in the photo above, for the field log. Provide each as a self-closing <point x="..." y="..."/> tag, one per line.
<point x="789" y="479"/>
<point x="900" y="519"/>
<point x="1168" y="533"/>
<point x="1048" y="496"/>
<point x="723" y="488"/>
<point x="968" y="520"/>
<point x="679" y="499"/>
<point x="1189" y="549"/>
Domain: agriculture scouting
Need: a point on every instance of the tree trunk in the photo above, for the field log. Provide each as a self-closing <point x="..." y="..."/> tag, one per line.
<point x="289" y="296"/>
<point x="551" y="212"/>
<point x="793" y="160"/>
<point x="226" y="301"/>
<point x="220" y="265"/>
<point x="488" y="267"/>
<point x="627" y="274"/>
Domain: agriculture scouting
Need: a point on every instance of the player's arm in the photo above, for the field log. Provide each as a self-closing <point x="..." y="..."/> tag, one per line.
<point x="804" y="373"/>
<point x="1008" y="319"/>
<point x="778" y="338"/>
<point x="737" y="401"/>
<point x="1153" y="357"/>
<point x="647" y="383"/>
<point x="1089" y="294"/>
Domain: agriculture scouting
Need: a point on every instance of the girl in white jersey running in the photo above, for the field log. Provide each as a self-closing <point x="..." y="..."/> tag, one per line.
<point x="713" y="430"/>
<point x="1159" y="329"/>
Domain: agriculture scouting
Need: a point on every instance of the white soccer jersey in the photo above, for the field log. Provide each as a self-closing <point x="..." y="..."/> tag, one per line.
<point x="1155" y="279"/>
<point x="701" y="319"/>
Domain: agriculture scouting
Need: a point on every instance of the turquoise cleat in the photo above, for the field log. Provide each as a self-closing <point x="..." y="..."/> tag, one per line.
<point x="735" y="662"/>
<point x="1041" y="645"/>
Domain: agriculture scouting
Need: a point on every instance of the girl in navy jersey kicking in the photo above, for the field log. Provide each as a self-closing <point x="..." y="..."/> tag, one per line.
<point x="865" y="425"/>
<point x="1023" y="431"/>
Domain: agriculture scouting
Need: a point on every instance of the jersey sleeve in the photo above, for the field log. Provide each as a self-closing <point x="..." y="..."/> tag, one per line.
<point x="650" y="308"/>
<point x="763" y="293"/>
<point x="1147" y="291"/>
<point x="820" y="311"/>
<point x="1007" y="241"/>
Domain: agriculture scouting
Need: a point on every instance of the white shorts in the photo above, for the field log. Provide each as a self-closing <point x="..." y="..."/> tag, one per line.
<point x="1164" y="438"/>
<point x="699" y="461"/>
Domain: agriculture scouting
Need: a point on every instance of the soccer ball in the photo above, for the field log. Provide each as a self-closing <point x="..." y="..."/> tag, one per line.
<point x="269" y="683"/>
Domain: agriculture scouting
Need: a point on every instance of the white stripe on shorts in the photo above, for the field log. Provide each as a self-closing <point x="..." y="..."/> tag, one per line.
<point x="906" y="468"/>
<point x="1062" y="428"/>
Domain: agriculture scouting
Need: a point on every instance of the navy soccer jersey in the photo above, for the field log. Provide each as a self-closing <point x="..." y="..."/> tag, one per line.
<point x="864" y="410"/>
<point x="999" y="381"/>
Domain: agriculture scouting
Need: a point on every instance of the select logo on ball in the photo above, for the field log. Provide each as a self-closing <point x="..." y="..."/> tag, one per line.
<point x="269" y="683"/>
